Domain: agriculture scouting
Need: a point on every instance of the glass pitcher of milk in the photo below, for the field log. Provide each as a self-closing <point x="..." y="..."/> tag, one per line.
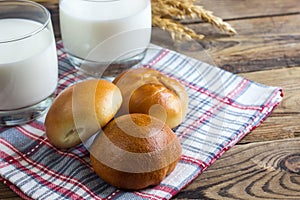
<point x="104" y="37"/>
<point x="28" y="61"/>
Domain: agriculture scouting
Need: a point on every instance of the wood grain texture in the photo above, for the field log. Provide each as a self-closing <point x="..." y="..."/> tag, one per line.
<point x="276" y="127"/>
<point x="261" y="44"/>
<point x="233" y="9"/>
<point x="268" y="43"/>
<point x="252" y="171"/>
<point x="268" y="36"/>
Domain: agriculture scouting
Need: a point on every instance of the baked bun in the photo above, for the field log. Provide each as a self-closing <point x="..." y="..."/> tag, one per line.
<point x="150" y="92"/>
<point x="80" y="111"/>
<point x="135" y="151"/>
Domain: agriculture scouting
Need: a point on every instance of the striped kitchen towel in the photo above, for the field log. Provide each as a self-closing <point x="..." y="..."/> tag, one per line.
<point x="223" y="108"/>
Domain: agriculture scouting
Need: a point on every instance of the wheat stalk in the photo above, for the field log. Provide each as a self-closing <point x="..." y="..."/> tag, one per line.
<point x="178" y="31"/>
<point x="167" y="13"/>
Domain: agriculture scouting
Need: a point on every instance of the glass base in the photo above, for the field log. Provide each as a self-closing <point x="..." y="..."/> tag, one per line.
<point x="104" y="70"/>
<point x="26" y="114"/>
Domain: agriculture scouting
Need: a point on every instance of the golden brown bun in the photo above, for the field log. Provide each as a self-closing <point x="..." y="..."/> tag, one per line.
<point x="135" y="151"/>
<point x="80" y="111"/>
<point x="150" y="92"/>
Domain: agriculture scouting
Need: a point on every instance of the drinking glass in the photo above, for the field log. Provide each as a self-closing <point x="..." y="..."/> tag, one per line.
<point x="104" y="37"/>
<point x="28" y="61"/>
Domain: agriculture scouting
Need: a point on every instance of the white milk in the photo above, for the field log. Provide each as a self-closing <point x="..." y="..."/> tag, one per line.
<point x="28" y="67"/>
<point x="87" y="24"/>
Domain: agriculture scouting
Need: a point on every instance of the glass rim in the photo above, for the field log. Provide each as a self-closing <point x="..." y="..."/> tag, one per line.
<point x="36" y="31"/>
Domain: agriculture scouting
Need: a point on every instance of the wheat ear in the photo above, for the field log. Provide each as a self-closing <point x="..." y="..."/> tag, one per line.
<point x="178" y="31"/>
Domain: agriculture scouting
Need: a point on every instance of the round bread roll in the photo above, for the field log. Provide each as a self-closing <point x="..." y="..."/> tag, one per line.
<point x="80" y="111"/>
<point x="150" y="92"/>
<point x="135" y="151"/>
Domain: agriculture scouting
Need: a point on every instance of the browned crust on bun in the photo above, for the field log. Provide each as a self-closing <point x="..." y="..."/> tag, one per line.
<point x="149" y="91"/>
<point x="80" y="111"/>
<point x="135" y="151"/>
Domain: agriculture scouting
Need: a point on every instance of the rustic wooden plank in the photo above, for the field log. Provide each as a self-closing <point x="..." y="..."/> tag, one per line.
<point x="237" y="9"/>
<point x="266" y="170"/>
<point x="276" y="127"/>
<point x="259" y="52"/>
<point x="264" y="43"/>
<point x="261" y="43"/>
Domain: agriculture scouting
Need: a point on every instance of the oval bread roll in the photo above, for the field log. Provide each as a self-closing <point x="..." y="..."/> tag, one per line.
<point x="80" y="111"/>
<point x="150" y="92"/>
<point x="135" y="151"/>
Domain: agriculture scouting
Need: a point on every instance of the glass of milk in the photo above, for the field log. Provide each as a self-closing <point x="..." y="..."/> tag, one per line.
<point x="28" y="61"/>
<point x="104" y="37"/>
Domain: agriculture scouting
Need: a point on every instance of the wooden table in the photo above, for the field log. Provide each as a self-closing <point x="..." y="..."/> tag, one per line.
<point x="266" y="163"/>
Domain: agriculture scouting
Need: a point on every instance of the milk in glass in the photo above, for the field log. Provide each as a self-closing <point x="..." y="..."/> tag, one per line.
<point x="28" y="66"/>
<point x="104" y="31"/>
